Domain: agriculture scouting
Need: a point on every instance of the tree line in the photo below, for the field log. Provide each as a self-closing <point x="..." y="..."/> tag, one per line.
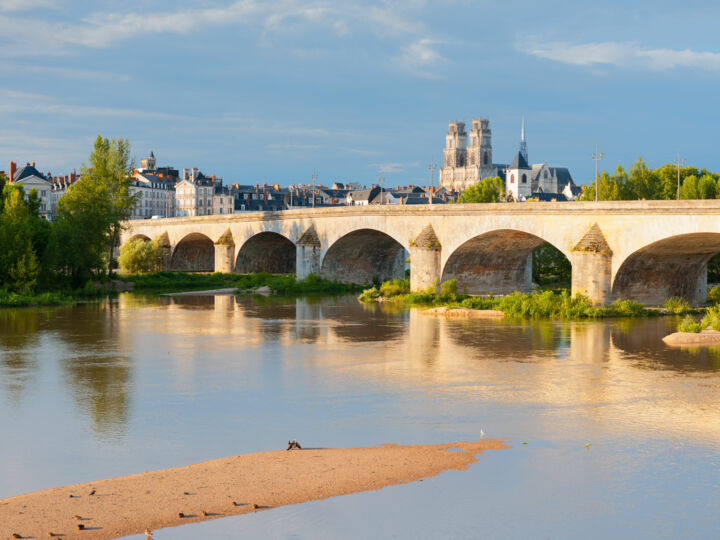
<point x="76" y="248"/>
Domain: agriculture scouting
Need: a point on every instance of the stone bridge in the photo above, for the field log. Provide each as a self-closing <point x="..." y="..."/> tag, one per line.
<point x="640" y="250"/>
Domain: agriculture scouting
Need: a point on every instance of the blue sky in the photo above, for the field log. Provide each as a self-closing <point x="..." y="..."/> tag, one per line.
<point x="265" y="91"/>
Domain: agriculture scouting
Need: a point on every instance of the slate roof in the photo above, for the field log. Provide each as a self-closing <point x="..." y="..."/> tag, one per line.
<point x="548" y="197"/>
<point x="27" y="170"/>
<point x="519" y="162"/>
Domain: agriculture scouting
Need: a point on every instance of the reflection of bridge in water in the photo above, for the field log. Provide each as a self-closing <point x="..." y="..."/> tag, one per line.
<point x="641" y="250"/>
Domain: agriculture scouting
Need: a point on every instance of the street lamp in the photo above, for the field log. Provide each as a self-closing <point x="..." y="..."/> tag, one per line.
<point x="679" y="162"/>
<point x="596" y="157"/>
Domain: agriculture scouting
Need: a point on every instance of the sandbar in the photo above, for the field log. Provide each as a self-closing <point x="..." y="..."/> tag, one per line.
<point x="464" y="313"/>
<point x="692" y="339"/>
<point x="226" y="486"/>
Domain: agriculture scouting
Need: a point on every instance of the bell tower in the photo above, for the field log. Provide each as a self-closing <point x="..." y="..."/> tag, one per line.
<point x="455" y="152"/>
<point x="486" y="166"/>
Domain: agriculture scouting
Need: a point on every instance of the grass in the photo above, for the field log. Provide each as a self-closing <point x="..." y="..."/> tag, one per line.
<point x="537" y="305"/>
<point x="11" y="299"/>
<point x="279" y="284"/>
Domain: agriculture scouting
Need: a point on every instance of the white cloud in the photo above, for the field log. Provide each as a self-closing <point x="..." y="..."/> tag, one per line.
<point x="622" y="54"/>
<point x="392" y="167"/>
<point x="419" y="57"/>
<point x="25" y="5"/>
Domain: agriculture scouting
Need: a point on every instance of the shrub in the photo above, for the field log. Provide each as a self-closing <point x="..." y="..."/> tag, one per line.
<point x="448" y="287"/>
<point x="713" y="295"/>
<point x="627" y="307"/>
<point x="395" y="287"/>
<point x="676" y="305"/>
<point x="688" y="324"/>
<point x="141" y="256"/>
<point x="369" y="295"/>
<point x="712" y="318"/>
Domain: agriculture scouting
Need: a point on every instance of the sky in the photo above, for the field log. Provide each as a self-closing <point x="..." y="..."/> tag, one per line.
<point x="269" y="90"/>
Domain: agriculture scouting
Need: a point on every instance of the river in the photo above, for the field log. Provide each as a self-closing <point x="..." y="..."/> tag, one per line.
<point x="136" y="384"/>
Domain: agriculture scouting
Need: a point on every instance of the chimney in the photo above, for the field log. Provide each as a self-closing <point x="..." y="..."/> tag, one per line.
<point x="13" y="168"/>
<point x="33" y="163"/>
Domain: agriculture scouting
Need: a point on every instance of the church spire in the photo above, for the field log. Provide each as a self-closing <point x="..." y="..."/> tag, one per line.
<point x="523" y="144"/>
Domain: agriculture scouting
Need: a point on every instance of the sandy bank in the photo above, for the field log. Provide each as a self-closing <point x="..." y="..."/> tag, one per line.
<point x="464" y="313"/>
<point x="209" y="292"/>
<point x="223" y="487"/>
<point x="692" y="339"/>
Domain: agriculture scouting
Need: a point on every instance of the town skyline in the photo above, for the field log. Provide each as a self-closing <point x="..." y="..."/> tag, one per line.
<point x="269" y="92"/>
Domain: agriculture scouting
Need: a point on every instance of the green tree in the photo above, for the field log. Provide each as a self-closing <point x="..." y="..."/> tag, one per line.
<point x="19" y="266"/>
<point x="707" y="187"/>
<point x="81" y="235"/>
<point x="140" y="256"/>
<point x="111" y="166"/>
<point x="643" y="183"/>
<point x="550" y="265"/>
<point x="689" y="188"/>
<point x="491" y="189"/>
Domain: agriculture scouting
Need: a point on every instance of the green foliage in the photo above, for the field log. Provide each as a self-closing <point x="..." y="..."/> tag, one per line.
<point x="312" y="284"/>
<point x="369" y="295"/>
<point x="676" y="305"/>
<point x="394" y="287"/>
<point x="645" y="183"/>
<point x="688" y="324"/>
<point x="448" y="287"/>
<point x="19" y="266"/>
<point x="11" y="299"/>
<point x="712" y="318"/>
<point x="491" y="189"/>
<point x="550" y="265"/>
<point x="713" y="295"/>
<point x="142" y="256"/>
<point x="627" y="308"/>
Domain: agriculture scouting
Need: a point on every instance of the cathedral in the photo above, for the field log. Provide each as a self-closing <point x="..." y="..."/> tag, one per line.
<point x="465" y="164"/>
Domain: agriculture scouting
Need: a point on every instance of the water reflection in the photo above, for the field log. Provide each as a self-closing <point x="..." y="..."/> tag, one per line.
<point x="19" y="336"/>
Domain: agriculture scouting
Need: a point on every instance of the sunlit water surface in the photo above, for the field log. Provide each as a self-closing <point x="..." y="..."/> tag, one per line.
<point x="96" y="391"/>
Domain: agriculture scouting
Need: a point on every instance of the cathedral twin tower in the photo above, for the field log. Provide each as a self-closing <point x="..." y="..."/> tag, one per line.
<point x="464" y="164"/>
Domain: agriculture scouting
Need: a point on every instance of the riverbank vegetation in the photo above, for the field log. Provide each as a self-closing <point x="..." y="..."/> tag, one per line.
<point x="537" y="305"/>
<point x="44" y="262"/>
<point x="278" y="284"/>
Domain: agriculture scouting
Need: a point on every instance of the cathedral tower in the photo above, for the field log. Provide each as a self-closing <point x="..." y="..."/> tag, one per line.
<point x="455" y="152"/>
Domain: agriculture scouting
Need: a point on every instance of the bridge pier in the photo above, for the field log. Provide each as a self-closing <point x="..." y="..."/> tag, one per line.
<point x="225" y="253"/>
<point x="591" y="261"/>
<point x="425" y="269"/>
<point x="307" y="253"/>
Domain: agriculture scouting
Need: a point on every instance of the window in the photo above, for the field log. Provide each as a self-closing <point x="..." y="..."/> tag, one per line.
<point x="485" y="159"/>
<point x="524" y="178"/>
<point x="512" y="178"/>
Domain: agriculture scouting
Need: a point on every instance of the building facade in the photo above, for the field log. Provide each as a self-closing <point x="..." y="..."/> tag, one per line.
<point x="466" y="163"/>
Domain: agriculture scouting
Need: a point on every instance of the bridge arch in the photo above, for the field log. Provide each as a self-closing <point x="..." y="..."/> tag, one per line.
<point x="195" y="252"/>
<point x="267" y="252"/>
<point x="494" y="262"/>
<point x="673" y="266"/>
<point x="138" y="237"/>
<point x="363" y="255"/>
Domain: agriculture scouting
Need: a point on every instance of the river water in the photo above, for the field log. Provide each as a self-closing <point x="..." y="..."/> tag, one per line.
<point x="136" y="384"/>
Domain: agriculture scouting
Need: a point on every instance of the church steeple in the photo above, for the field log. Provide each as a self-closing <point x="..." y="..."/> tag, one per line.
<point x="523" y="144"/>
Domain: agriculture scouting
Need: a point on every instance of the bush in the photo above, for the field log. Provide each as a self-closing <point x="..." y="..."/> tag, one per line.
<point x="712" y="318"/>
<point x="140" y="256"/>
<point x="448" y="287"/>
<point x="688" y="324"/>
<point x="628" y="308"/>
<point x="369" y="295"/>
<point x="713" y="295"/>
<point x="394" y="287"/>
<point x="676" y="305"/>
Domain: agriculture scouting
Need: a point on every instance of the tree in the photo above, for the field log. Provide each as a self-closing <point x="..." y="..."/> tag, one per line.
<point x="550" y="265"/>
<point x="82" y="233"/>
<point x="643" y="183"/>
<point x="139" y="256"/>
<point x="707" y="187"/>
<point x="689" y="188"/>
<point x="491" y="189"/>
<point x="19" y="266"/>
<point x="110" y="165"/>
